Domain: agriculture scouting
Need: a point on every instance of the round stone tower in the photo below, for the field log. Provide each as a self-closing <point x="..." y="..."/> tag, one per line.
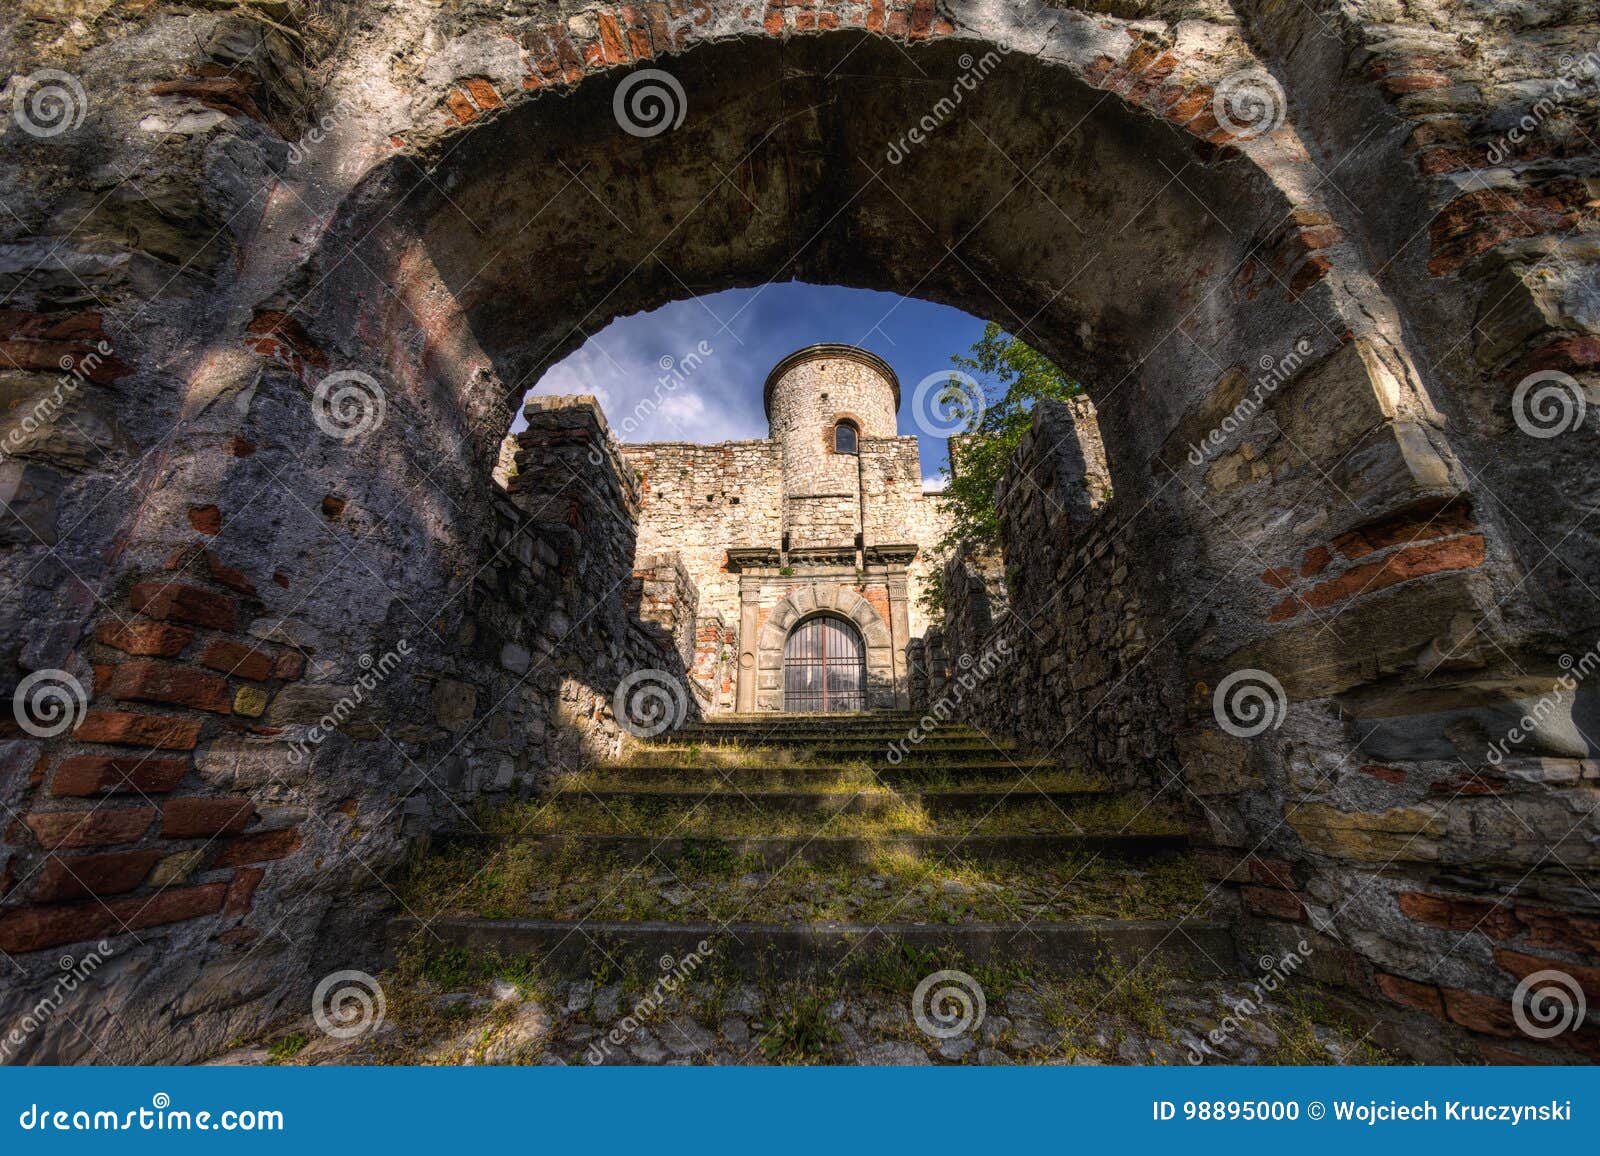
<point x="809" y="395"/>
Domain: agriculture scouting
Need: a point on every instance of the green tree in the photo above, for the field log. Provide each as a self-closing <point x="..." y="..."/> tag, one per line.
<point x="1013" y="376"/>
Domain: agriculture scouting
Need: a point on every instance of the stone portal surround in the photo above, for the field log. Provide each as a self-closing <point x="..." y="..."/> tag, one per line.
<point x="839" y="592"/>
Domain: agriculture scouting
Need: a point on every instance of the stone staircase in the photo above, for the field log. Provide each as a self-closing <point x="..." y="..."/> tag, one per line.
<point x="803" y="844"/>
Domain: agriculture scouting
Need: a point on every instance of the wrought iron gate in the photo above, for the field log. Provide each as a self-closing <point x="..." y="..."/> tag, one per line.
<point x="824" y="667"/>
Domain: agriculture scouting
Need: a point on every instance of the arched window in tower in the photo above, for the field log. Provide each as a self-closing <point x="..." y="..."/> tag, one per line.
<point x="845" y="435"/>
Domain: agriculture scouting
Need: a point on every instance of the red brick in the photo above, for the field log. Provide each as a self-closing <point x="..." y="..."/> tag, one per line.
<point x="226" y="94"/>
<point x="611" y="39"/>
<point x="1463" y="553"/>
<point x="259" y="847"/>
<point x="241" y="447"/>
<point x="1413" y="82"/>
<point x="132" y="729"/>
<point x="145" y="638"/>
<point x="57" y="829"/>
<point x="1272" y="903"/>
<point x="83" y="775"/>
<point x="291" y="664"/>
<point x="1422" y="996"/>
<point x="1479" y="220"/>
<point x="202" y="818"/>
<point x="1562" y="930"/>
<point x="333" y="506"/>
<point x="1387" y="774"/>
<point x="80" y="876"/>
<point x="1490" y="1014"/>
<point x="1315" y="561"/>
<point x="227" y="575"/>
<point x="460" y="106"/>
<point x="1452" y="913"/>
<point x="1280" y="577"/>
<point x="1313" y="270"/>
<point x="205" y="519"/>
<point x="1272" y="872"/>
<point x="237" y="658"/>
<point x="1521" y="965"/>
<point x="36" y="928"/>
<point x="1575" y="353"/>
<point x="483" y="92"/>
<point x="145" y="681"/>
<point x="242" y="890"/>
<point x="184" y="603"/>
<point x="275" y="334"/>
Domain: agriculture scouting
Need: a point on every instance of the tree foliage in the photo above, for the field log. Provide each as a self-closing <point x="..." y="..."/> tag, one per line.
<point x="1013" y="376"/>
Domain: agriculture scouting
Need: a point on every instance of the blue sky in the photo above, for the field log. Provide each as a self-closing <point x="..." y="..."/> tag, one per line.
<point x="749" y="331"/>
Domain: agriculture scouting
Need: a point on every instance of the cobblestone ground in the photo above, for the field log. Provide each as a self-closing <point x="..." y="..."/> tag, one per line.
<point x="1106" y="1019"/>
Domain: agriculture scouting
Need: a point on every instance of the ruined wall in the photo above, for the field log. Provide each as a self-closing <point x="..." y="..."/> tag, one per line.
<point x="699" y="500"/>
<point x="238" y="210"/>
<point x="1066" y="646"/>
<point x="897" y="512"/>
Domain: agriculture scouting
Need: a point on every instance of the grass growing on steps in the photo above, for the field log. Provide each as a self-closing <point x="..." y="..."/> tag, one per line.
<point x="845" y="781"/>
<point x="744" y="817"/>
<point x="516" y="881"/>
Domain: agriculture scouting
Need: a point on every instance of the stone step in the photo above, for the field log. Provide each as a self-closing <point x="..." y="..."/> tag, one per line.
<point x="866" y="801"/>
<point x="775" y="850"/>
<point x="802" y="775"/>
<point x="575" y="950"/>
<point x="871" y="752"/>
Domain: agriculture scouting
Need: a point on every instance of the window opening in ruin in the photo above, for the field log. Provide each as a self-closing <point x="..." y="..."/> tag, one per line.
<point x="844" y="438"/>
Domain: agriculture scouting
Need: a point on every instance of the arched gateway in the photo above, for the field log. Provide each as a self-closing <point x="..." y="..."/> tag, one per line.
<point x="824" y="667"/>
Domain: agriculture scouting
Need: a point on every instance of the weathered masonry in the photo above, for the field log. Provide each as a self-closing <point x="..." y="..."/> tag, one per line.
<point x="826" y="518"/>
<point x="238" y="217"/>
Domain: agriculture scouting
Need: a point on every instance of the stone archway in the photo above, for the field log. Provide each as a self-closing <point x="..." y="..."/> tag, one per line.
<point x="446" y="231"/>
<point x="884" y="690"/>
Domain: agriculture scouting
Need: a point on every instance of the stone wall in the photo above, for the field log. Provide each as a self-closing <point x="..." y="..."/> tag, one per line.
<point x="698" y="500"/>
<point x="239" y="213"/>
<point x="1062" y="617"/>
